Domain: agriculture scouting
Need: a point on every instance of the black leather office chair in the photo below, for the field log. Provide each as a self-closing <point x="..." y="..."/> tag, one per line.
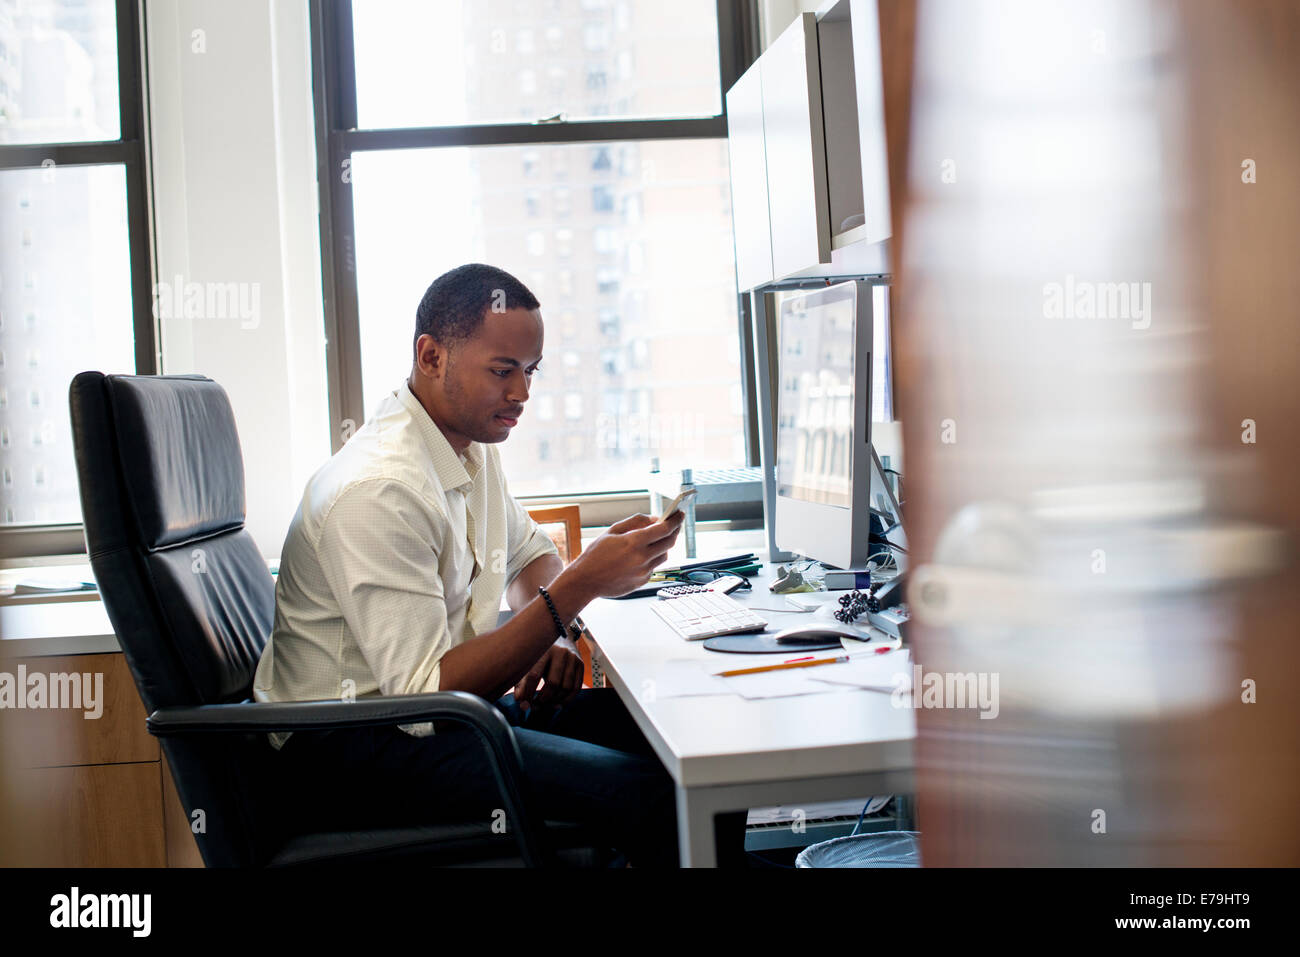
<point x="191" y="601"/>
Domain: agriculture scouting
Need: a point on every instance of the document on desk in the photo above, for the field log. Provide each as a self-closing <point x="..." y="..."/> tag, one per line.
<point x="692" y="677"/>
<point x="687" y="678"/>
<point x="783" y="684"/>
<point x="873" y="672"/>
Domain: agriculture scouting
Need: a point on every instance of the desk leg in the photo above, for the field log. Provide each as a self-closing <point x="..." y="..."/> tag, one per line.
<point x="695" y="834"/>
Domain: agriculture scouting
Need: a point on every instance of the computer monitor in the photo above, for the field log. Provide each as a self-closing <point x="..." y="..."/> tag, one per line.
<point x="828" y="479"/>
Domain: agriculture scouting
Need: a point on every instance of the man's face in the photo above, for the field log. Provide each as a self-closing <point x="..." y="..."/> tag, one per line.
<point x="482" y="383"/>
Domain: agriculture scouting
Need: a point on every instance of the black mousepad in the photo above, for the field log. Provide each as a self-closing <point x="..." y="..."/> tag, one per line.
<point x="763" y="645"/>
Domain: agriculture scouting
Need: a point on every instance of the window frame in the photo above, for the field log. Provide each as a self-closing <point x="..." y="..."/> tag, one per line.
<point x="338" y="138"/>
<point x="130" y="151"/>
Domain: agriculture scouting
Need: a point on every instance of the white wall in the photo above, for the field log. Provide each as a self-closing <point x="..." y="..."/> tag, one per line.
<point x="231" y="129"/>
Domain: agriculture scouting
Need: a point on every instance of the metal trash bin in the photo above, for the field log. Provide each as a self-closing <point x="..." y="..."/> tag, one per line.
<point x="882" y="849"/>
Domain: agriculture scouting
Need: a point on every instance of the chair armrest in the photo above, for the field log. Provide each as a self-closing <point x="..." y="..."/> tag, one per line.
<point x="486" y="721"/>
<point x="249" y="716"/>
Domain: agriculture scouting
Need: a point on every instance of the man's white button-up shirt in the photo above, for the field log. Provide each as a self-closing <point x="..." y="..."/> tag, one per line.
<point x="399" y="551"/>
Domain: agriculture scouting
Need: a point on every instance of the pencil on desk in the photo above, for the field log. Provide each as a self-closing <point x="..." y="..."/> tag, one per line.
<point x="789" y="664"/>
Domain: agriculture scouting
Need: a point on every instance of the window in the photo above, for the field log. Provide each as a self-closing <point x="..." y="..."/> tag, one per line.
<point x="632" y="209"/>
<point x="635" y="258"/>
<point x="69" y="231"/>
<point x="627" y="163"/>
<point x="595" y="36"/>
<point x="639" y="353"/>
<point x="622" y="264"/>
<point x="606" y="280"/>
<point x="602" y="199"/>
<point x="469" y="72"/>
<point x="611" y="361"/>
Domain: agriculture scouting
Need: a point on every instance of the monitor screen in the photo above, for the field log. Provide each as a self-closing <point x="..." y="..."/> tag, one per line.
<point x="814" y="440"/>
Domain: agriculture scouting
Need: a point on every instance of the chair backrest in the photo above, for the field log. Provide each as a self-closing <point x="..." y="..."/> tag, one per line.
<point x="162" y="491"/>
<point x="188" y="593"/>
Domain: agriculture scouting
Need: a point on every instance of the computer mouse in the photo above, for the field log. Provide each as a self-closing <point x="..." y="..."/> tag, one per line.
<point x="818" y="634"/>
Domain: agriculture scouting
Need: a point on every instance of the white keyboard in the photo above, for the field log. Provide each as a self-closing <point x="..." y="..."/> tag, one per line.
<point x="705" y="614"/>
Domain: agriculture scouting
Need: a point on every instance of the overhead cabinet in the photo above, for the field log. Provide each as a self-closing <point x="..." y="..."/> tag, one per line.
<point x="797" y="169"/>
<point x="794" y="141"/>
<point x="749" y="214"/>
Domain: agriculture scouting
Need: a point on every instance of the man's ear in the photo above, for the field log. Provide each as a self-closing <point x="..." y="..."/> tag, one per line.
<point x="430" y="357"/>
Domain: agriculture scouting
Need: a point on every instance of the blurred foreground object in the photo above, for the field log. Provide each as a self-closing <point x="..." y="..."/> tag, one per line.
<point x="1099" y="347"/>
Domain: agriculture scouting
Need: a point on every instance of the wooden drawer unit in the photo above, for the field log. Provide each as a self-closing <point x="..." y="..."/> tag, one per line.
<point x="106" y="815"/>
<point x="59" y="737"/>
<point x="79" y="791"/>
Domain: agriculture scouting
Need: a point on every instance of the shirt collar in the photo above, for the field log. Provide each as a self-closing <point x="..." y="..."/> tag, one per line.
<point x="451" y="472"/>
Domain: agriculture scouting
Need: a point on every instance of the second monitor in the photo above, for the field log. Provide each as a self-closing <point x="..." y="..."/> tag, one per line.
<point x="824" y="460"/>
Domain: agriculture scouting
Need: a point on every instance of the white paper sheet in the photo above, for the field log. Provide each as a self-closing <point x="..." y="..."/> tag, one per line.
<point x="871" y="671"/>
<point x="692" y="677"/>
<point x="685" y="678"/>
<point x="778" y="684"/>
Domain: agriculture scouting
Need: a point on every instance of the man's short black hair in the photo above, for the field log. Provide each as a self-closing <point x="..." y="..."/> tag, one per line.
<point x="453" y="307"/>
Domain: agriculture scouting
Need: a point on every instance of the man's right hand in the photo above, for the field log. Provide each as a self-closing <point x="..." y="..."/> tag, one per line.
<point x="614" y="564"/>
<point x="623" y="558"/>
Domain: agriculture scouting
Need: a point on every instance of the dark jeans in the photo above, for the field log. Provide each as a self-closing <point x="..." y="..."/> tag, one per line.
<point x="585" y="762"/>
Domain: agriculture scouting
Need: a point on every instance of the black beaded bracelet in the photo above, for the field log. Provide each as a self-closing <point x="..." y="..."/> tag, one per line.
<point x="560" y="630"/>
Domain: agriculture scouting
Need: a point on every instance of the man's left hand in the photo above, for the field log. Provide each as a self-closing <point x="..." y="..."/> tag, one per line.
<point x="559" y="672"/>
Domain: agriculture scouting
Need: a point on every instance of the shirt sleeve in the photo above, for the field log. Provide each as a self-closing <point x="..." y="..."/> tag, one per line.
<point x="525" y="540"/>
<point x="378" y="550"/>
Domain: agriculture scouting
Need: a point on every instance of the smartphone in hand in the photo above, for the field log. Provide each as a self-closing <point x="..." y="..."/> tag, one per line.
<point x="677" y="503"/>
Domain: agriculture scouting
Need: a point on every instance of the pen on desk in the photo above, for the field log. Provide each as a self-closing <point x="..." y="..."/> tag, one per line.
<point x="789" y="664"/>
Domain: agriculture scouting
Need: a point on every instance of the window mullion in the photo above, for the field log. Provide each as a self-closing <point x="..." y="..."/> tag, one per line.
<point x="521" y="134"/>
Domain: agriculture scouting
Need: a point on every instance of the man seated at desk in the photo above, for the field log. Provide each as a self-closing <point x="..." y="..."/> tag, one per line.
<point x="391" y="580"/>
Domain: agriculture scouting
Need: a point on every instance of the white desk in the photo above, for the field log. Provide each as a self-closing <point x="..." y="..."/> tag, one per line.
<point x="55" y="628"/>
<point x="728" y="754"/>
